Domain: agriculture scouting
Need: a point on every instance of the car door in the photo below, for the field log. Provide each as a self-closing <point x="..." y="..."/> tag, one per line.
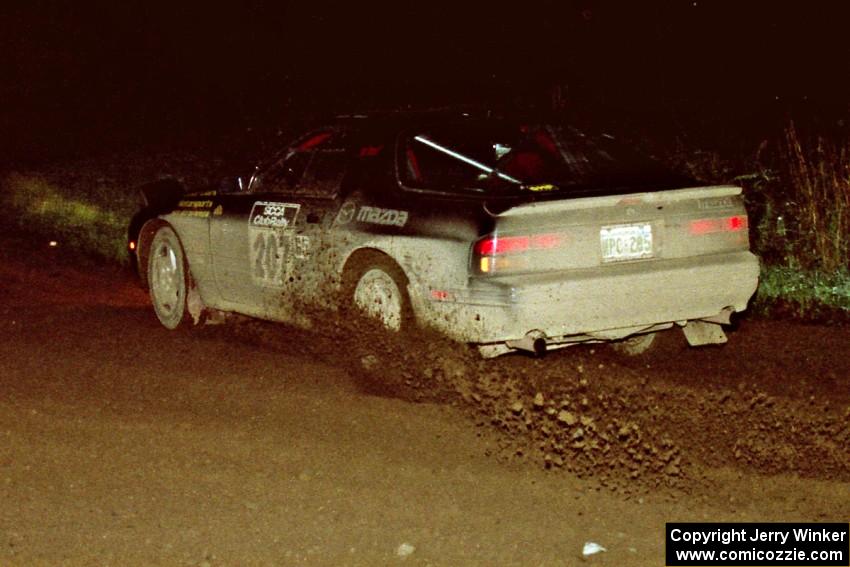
<point x="230" y="248"/>
<point x="310" y="266"/>
<point x="263" y="241"/>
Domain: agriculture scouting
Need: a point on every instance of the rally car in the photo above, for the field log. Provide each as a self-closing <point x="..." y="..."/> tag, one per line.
<point x="504" y="233"/>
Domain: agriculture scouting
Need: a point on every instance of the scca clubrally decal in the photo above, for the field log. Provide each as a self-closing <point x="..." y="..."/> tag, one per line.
<point x="273" y="215"/>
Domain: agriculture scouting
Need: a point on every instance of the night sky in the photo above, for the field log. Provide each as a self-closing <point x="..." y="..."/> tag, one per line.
<point x="76" y="72"/>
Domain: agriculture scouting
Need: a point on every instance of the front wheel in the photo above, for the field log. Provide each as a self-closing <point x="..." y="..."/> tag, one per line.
<point x="168" y="276"/>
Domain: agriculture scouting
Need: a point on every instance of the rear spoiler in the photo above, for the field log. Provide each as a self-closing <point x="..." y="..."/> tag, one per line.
<point x="667" y="196"/>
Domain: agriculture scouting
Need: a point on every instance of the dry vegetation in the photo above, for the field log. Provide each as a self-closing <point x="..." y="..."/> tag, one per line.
<point x="798" y="197"/>
<point x="819" y="177"/>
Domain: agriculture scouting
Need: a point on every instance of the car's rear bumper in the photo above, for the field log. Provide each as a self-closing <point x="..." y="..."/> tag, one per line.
<point x="607" y="302"/>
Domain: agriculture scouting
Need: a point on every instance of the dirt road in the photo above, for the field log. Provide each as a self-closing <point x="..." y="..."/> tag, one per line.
<point x="124" y="444"/>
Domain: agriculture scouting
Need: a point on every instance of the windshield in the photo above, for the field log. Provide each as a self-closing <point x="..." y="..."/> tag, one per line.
<point x="500" y="157"/>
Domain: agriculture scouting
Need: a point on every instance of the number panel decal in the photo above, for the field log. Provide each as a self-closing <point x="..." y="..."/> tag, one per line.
<point x="271" y="233"/>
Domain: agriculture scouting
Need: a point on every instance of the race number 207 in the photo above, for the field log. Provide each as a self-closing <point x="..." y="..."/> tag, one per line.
<point x="268" y="254"/>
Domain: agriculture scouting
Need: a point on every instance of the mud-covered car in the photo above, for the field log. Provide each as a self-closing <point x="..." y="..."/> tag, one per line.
<point x="505" y="233"/>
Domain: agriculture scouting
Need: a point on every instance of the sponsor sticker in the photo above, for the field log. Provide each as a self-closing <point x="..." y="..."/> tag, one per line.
<point x="199" y="213"/>
<point x="541" y="188"/>
<point x="386" y="217"/>
<point x="273" y="215"/>
<point x="346" y="213"/>
<point x="302" y="247"/>
<point x="712" y="203"/>
<point x="189" y="204"/>
<point x="194" y="208"/>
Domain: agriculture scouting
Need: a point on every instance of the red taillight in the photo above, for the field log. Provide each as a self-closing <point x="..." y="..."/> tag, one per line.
<point x="496" y="252"/>
<point x="543" y="241"/>
<point x="500" y="245"/>
<point x="735" y="223"/>
<point x="496" y="246"/>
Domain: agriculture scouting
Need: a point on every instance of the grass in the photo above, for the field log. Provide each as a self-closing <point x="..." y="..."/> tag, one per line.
<point x="86" y="205"/>
<point x="804" y="294"/>
<point x="78" y="222"/>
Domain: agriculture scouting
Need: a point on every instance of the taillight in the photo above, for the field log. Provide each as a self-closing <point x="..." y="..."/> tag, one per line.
<point x="500" y="253"/>
<point x="496" y="246"/>
<point x="735" y="223"/>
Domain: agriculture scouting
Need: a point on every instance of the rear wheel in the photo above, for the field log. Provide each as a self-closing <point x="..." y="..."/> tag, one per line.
<point x="637" y="344"/>
<point x="378" y="288"/>
<point x="168" y="276"/>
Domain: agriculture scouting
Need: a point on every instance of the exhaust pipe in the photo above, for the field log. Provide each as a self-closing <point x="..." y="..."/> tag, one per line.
<point x="540" y="347"/>
<point x="533" y="342"/>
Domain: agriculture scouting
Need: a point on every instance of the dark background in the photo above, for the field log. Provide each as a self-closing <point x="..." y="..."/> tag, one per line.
<point x="89" y="76"/>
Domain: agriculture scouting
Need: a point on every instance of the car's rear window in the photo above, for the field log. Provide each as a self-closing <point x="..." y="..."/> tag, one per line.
<point x="498" y="157"/>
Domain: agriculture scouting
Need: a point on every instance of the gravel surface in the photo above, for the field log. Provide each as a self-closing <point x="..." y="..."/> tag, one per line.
<point x="253" y="444"/>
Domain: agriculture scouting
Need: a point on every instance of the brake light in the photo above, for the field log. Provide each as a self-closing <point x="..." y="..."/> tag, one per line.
<point x="495" y="246"/>
<point x="501" y="253"/>
<point x="735" y="223"/>
<point x="499" y="245"/>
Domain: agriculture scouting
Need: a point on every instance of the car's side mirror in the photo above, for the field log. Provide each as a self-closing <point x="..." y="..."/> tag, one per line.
<point x="232" y="185"/>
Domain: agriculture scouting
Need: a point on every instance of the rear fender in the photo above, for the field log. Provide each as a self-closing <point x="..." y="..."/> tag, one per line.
<point x="374" y="249"/>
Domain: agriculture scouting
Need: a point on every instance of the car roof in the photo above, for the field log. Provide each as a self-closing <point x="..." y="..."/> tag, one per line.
<point x="384" y="123"/>
<point x="399" y="120"/>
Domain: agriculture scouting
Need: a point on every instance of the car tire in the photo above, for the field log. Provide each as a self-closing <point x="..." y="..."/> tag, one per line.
<point x="168" y="279"/>
<point x="637" y="345"/>
<point x="377" y="288"/>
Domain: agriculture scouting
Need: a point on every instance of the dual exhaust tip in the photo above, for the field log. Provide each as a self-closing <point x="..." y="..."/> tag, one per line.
<point x="698" y="333"/>
<point x="533" y="342"/>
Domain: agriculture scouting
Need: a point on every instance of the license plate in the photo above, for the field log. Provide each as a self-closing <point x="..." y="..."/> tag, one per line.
<point x="626" y="242"/>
